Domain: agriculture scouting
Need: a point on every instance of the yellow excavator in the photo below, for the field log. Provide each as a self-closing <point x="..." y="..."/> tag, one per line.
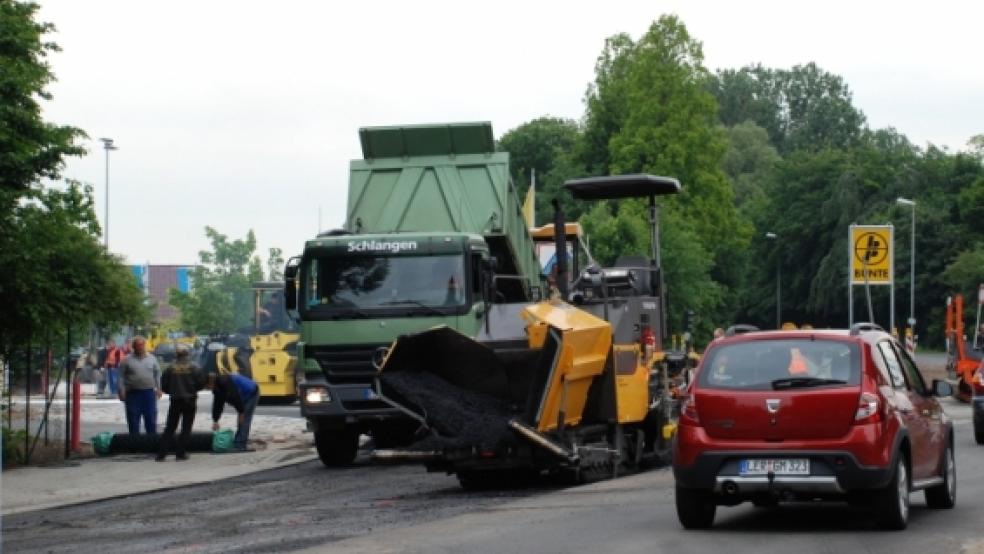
<point x="270" y="356"/>
<point x="579" y="385"/>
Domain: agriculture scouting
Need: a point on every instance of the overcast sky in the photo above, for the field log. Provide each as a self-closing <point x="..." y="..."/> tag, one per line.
<point x="243" y="115"/>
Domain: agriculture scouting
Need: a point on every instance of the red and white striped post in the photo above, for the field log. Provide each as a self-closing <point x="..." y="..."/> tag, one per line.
<point x="76" y="413"/>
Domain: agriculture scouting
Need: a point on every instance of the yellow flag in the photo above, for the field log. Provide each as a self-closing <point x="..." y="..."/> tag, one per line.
<point x="529" y="204"/>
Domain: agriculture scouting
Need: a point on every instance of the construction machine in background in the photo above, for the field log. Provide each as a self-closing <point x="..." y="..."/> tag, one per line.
<point x="434" y="235"/>
<point x="578" y="386"/>
<point x="268" y="353"/>
<point x="962" y="363"/>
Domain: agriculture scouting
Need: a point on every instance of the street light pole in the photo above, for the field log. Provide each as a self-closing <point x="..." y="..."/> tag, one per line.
<point x="107" y="146"/>
<point x="772" y="236"/>
<point x="912" y="264"/>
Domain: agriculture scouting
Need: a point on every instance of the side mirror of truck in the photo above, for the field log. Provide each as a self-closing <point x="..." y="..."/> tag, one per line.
<point x="290" y="283"/>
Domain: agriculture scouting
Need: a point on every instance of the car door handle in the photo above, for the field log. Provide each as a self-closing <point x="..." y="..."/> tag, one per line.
<point x="905" y="410"/>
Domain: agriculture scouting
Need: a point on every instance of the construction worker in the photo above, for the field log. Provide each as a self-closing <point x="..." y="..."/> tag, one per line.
<point x="140" y="387"/>
<point x="182" y="381"/>
<point x="240" y="392"/>
<point x="111" y="364"/>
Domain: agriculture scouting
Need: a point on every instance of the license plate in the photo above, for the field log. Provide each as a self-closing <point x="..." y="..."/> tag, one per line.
<point x="777" y="466"/>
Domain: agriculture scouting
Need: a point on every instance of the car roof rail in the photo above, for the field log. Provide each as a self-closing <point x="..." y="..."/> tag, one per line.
<point x="865" y="327"/>
<point x="740" y="329"/>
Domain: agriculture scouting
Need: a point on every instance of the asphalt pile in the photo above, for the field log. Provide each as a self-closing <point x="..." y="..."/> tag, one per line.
<point x="462" y="418"/>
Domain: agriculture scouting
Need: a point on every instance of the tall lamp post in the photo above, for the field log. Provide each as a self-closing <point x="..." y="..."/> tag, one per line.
<point x="912" y="265"/>
<point x="107" y="146"/>
<point x="772" y="236"/>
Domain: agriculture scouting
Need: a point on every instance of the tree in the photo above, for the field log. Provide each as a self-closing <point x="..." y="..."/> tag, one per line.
<point x="749" y="162"/>
<point x="30" y="148"/>
<point x="801" y="108"/>
<point x="55" y="276"/>
<point x="546" y="145"/>
<point x="649" y="111"/>
<point x="221" y="299"/>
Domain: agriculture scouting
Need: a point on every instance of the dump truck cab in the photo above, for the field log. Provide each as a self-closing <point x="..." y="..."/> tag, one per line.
<point x="434" y="235"/>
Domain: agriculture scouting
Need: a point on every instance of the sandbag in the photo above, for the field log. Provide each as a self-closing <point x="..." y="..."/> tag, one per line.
<point x="222" y="440"/>
<point x="101" y="443"/>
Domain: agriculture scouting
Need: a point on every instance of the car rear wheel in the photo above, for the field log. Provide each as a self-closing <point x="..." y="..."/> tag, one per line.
<point x="695" y="508"/>
<point x="892" y="504"/>
<point x="944" y="495"/>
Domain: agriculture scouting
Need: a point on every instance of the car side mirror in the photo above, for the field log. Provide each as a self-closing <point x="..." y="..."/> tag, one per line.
<point x="942" y="388"/>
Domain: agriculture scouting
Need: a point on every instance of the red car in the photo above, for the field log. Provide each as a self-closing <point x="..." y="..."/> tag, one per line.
<point x="812" y="414"/>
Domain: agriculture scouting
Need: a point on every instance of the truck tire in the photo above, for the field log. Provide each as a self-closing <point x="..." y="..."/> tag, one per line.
<point x="944" y="495"/>
<point x="336" y="447"/>
<point x="892" y="503"/>
<point x="695" y="508"/>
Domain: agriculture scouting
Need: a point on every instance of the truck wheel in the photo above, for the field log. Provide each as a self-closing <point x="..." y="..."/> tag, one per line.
<point x="336" y="447"/>
<point x="472" y="480"/>
<point x="695" y="508"/>
<point x="892" y="503"/>
<point x="944" y="495"/>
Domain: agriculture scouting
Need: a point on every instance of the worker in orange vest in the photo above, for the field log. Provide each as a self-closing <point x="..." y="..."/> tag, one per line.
<point x="114" y="355"/>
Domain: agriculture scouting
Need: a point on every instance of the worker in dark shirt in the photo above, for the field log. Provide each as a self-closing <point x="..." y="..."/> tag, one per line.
<point x="240" y="392"/>
<point x="182" y="381"/>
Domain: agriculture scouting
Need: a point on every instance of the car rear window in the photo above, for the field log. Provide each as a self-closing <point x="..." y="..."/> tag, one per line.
<point x="781" y="363"/>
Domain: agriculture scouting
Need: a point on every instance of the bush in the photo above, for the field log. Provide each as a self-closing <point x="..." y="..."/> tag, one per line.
<point x="13" y="446"/>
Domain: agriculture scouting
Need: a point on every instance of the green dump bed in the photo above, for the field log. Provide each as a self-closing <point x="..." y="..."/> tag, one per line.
<point x="440" y="178"/>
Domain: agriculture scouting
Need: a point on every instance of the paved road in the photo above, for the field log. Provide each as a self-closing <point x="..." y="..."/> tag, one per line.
<point x="367" y="508"/>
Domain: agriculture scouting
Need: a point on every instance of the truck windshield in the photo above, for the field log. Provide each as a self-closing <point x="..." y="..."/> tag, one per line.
<point x="416" y="283"/>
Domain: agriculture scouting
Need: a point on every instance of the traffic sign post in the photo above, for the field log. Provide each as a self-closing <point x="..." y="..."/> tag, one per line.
<point x="871" y="256"/>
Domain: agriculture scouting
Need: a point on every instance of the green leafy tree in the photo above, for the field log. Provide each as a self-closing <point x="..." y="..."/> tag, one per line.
<point x="30" y="148"/>
<point x="749" y="162"/>
<point x="649" y="111"/>
<point x="545" y="145"/>
<point x="221" y="299"/>
<point x="801" y="108"/>
<point x="56" y="276"/>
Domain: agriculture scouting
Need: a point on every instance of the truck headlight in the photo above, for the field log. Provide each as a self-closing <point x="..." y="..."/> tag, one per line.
<point x="316" y="395"/>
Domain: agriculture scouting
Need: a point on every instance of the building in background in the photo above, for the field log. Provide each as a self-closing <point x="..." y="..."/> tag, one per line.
<point x="156" y="280"/>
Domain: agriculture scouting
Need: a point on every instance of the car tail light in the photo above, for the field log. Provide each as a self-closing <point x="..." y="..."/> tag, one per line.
<point x="688" y="410"/>
<point x="869" y="408"/>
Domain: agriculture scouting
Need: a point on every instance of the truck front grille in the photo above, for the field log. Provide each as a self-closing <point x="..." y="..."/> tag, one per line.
<point x="345" y="362"/>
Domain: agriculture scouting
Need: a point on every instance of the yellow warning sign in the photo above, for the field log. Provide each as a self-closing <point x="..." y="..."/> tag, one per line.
<point x="871" y="254"/>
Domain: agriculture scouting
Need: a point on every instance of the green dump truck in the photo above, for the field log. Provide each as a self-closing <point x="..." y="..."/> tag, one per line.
<point x="434" y="236"/>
